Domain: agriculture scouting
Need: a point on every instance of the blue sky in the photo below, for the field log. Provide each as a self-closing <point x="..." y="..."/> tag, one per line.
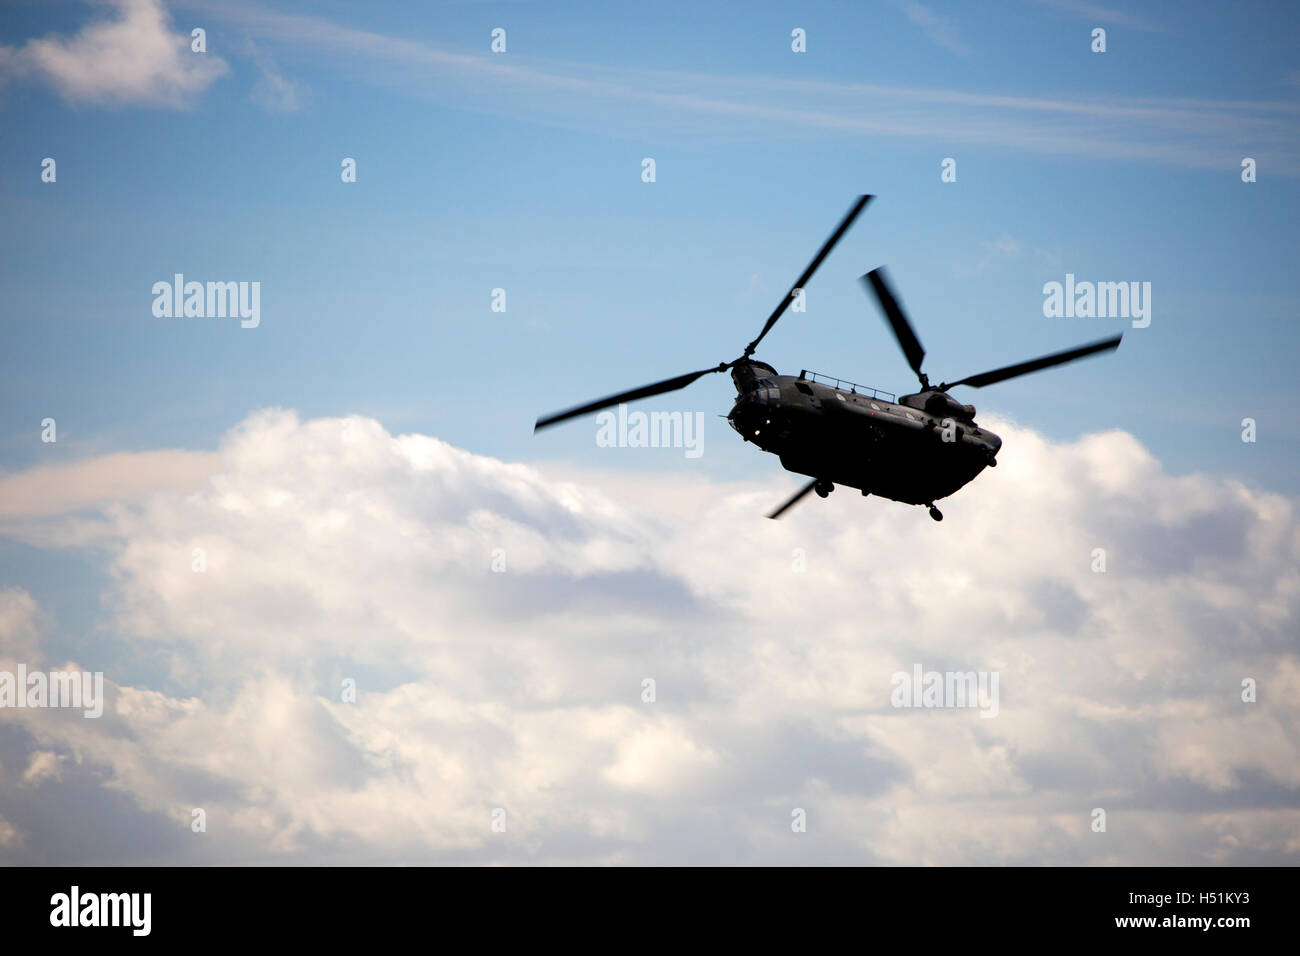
<point x="376" y="294"/>
<point x="522" y="171"/>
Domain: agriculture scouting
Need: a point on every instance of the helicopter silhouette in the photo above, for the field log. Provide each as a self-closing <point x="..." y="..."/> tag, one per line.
<point x="915" y="449"/>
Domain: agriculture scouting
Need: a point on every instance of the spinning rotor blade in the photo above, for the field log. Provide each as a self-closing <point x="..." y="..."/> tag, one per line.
<point x="907" y="339"/>
<point x="807" y="273"/>
<point x="1034" y="365"/>
<point x="645" y="391"/>
<point x="681" y="381"/>
<point x="794" y="500"/>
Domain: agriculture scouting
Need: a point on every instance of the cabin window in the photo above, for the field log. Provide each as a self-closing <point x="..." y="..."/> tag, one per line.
<point x="806" y="389"/>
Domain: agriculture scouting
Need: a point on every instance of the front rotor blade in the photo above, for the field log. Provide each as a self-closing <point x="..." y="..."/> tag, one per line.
<point x="907" y="339"/>
<point x="1035" y="365"/>
<point x="645" y="391"/>
<point x="795" y="500"/>
<point x="807" y="273"/>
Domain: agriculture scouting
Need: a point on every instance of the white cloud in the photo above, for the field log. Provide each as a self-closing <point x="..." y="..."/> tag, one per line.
<point x="1187" y="132"/>
<point x="938" y="28"/>
<point x="20" y="628"/>
<point x="1099" y="14"/>
<point x="273" y="91"/>
<point x="44" y="766"/>
<point x="1005" y="248"/>
<point x="336" y="550"/>
<point x="133" y="58"/>
<point x="122" y="476"/>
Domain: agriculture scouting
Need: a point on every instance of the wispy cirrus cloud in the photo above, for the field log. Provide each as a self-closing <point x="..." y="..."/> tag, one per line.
<point x="1100" y="14"/>
<point x="1189" y="132"/>
<point x="942" y="30"/>
<point x="1003" y="249"/>
<point x="121" y="476"/>
<point x="274" y="91"/>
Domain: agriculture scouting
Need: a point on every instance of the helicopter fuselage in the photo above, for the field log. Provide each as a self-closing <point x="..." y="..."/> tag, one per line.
<point x="916" y="450"/>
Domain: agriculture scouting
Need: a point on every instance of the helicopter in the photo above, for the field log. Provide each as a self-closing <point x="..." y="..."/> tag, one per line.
<point x="915" y="449"/>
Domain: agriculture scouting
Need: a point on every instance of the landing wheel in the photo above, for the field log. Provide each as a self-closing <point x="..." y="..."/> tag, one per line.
<point x="823" y="488"/>
<point x="935" y="513"/>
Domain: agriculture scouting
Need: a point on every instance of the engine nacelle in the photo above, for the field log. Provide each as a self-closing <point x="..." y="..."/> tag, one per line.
<point x="748" y="375"/>
<point x="940" y="405"/>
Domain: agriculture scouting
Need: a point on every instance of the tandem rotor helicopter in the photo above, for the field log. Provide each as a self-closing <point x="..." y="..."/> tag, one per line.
<point x="915" y="449"/>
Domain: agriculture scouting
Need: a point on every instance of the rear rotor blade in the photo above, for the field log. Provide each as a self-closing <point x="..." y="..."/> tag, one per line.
<point x="645" y="391"/>
<point x="807" y="273"/>
<point x="1035" y="365"/>
<point x="907" y="339"/>
<point x="794" y="500"/>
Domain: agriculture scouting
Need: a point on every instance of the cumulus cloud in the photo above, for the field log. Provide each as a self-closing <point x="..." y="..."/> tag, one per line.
<point x="44" y="766"/>
<point x="335" y="552"/>
<point x="134" y="57"/>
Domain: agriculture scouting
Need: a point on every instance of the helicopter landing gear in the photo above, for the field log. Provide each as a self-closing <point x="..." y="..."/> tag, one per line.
<point x="823" y="488"/>
<point x="935" y="513"/>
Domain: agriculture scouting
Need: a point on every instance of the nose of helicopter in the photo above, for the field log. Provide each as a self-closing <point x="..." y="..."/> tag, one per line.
<point x="994" y="443"/>
<point x="752" y="410"/>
